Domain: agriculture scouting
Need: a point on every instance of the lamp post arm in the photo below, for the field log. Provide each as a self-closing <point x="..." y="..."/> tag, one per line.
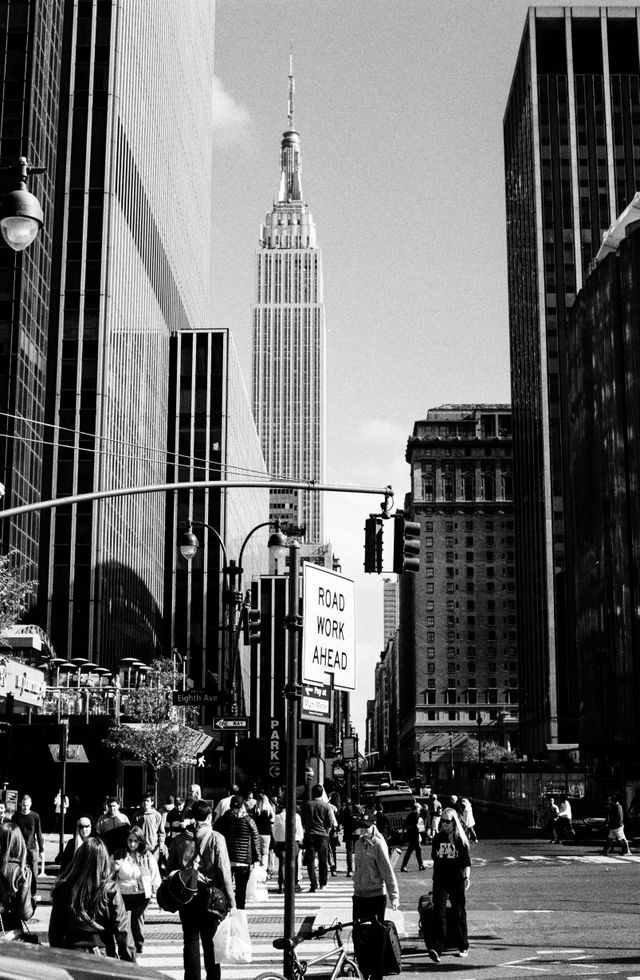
<point x="246" y="540"/>
<point x="211" y="528"/>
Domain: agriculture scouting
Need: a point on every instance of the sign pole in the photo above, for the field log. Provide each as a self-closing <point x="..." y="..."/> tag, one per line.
<point x="293" y="692"/>
<point x="64" y="744"/>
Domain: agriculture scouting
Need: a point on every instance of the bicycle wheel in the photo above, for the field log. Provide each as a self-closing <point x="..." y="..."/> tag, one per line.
<point x="350" y="968"/>
<point x="269" y="976"/>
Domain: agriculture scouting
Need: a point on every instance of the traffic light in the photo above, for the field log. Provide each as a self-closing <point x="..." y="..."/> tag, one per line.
<point x="406" y="545"/>
<point x="373" y="544"/>
<point x="251" y="625"/>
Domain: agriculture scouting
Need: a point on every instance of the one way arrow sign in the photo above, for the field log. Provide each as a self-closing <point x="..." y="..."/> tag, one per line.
<point x="239" y="724"/>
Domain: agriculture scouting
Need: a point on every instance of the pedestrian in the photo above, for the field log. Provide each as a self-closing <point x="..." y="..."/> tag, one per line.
<point x="263" y="814"/>
<point x="83" y="830"/>
<point x="451" y="879"/>
<point x="243" y="845"/>
<point x="224" y="804"/>
<point x="60" y="808"/>
<point x="280" y="845"/>
<point x="4" y="816"/>
<point x="434" y="807"/>
<point x="152" y="825"/>
<point x="615" y="823"/>
<point x="87" y="910"/>
<point x="176" y="820"/>
<point x="29" y="823"/>
<point x="168" y="806"/>
<point x="468" y="820"/>
<point x="199" y="840"/>
<point x="317" y="820"/>
<point x="334" y="834"/>
<point x="564" y="824"/>
<point x="345" y="819"/>
<point x="374" y="881"/>
<point x="113" y="826"/>
<point x="138" y="876"/>
<point x="16" y="899"/>
<point x="550" y="816"/>
<point x="412" y="837"/>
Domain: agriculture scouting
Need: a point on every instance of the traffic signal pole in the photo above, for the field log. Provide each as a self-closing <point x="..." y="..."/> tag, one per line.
<point x="293" y="694"/>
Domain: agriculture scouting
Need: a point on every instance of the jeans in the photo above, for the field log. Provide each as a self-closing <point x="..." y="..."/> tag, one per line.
<point x="414" y="845"/>
<point x="348" y="843"/>
<point x="458" y="901"/>
<point x="33" y="858"/>
<point x="241" y="874"/>
<point x="317" y="844"/>
<point x="136" y="905"/>
<point x="198" y="926"/>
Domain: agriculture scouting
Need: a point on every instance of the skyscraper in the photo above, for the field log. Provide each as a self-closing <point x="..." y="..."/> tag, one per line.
<point x="118" y="108"/>
<point x="289" y="345"/>
<point x="572" y="162"/>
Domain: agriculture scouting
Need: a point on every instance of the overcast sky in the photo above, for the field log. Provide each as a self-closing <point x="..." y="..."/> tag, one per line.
<point x="399" y="105"/>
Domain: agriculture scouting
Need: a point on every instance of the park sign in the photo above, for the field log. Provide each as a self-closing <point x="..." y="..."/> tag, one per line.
<point x="329" y="628"/>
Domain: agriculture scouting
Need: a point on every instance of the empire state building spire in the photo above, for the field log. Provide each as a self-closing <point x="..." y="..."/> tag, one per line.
<point x="290" y="185"/>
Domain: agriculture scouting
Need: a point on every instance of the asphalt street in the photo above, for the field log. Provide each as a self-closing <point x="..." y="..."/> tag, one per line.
<point x="534" y="909"/>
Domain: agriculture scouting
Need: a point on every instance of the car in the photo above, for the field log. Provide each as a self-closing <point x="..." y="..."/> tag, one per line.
<point x="397" y="804"/>
<point x="589" y="819"/>
<point x="400" y="786"/>
<point x="23" y="961"/>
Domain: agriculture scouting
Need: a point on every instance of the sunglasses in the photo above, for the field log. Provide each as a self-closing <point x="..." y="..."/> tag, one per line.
<point x="446" y="820"/>
<point x="83" y="825"/>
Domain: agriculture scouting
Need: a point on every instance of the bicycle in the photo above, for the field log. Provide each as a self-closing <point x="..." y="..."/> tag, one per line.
<point x="345" y="965"/>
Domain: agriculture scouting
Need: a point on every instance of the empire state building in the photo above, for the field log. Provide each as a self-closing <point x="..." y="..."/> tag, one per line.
<point x="289" y="346"/>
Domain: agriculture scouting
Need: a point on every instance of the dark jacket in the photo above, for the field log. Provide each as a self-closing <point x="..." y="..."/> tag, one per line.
<point x="16" y="903"/>
<point x="108" y="930"/>
<point x="316" y="818"/>
<point x="242" y="837"/>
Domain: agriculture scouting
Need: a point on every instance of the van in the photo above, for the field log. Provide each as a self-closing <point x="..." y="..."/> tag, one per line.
<point x="397" y="804"/>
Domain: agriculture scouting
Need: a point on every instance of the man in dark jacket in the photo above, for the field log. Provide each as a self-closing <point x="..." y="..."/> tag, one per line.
<point x="317" y="822"/>
<point x="198" y="924"/>
<point x="29" y="823"/>
<point x="243" y="844"/>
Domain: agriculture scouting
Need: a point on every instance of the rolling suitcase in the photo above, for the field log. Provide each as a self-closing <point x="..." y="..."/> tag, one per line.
<point x="427" y="924"/>
<point x="375" y="943"/>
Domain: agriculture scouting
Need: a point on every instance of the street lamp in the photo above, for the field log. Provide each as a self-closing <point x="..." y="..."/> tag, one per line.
<point x="21" y="216"/>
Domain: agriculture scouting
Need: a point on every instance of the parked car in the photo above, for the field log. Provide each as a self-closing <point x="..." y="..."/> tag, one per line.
<point x="589" y="819"/>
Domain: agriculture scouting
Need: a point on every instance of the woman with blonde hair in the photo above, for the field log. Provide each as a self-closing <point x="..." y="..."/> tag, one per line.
<point x="87" y="910"/>
<point x="451" y="877"/>
<point x="264" y="815"/>
<point x="16" y="903"/>
<point x="83" y="830"/>
<point x="138" y="876"/>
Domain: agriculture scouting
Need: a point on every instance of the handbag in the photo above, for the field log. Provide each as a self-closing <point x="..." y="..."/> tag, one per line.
<point x="23" y="935"/>
<point x="232" y="942"/>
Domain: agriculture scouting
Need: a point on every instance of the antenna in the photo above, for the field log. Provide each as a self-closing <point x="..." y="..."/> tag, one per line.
<point x="292" y="86"/>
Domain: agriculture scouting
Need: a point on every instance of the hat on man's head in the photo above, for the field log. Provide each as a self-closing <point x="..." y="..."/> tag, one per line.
<point x="363" y="821"/>
<point x="235" y="802"/>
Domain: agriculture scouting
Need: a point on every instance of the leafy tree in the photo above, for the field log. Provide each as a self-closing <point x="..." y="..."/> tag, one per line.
<point x="14" y="590"/>
<point x="491" y="751"/>
<point x="156" y="736"/>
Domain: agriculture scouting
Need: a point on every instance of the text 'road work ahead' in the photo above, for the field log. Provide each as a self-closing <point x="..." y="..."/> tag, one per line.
<point x="329" y="630"/>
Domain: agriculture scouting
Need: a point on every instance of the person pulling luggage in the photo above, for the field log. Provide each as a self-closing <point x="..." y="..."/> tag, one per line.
<point x="374" y="882"/>
<point x="451" y="879"/>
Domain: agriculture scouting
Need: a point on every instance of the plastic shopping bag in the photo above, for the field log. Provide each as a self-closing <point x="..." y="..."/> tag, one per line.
<point x="232" y="942"/>
<point x="257" y="886"/>
<point x="397" y="918"/>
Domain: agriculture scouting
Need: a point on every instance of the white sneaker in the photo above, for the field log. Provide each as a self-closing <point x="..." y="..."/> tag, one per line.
<point x="462" y="952"/>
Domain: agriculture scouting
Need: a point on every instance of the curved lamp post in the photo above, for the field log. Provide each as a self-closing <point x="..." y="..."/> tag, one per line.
<point x="21" y="216"/>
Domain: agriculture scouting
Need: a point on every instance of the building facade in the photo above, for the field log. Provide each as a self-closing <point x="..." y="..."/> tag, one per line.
<point x="390" y="607"/>
<point x="289" y="347"/>
<point x="572" y="163"/>
<point x="457" y="650"/>
<point x="603" y="560"/>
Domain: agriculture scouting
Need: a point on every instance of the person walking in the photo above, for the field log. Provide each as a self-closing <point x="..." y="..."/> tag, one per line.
<point x="280" y="845"/>
<point x="615" y="823"/>
<point x="60" y="808"/>
<point x="29" y="823"/>
<point x="263" y="815"/>
<point x="451" y="878"/>
<point x="138" y="876"/>
<point x="15" y="879"/>
<point x="564" y="824"/>
<point x="383" y="823"/>
<point x="374" y="881"/>
<point x="152" y="825"/>
<point x="468" y="820"/>
<point x="412" y="836"/>
<point x="87" y="910"/>
<point x="200" y="841"/>
<point x="551" y="815"/>
<point x="113" y="827"/>
<point x="335" y="804"/>
<point x="243" y="845"/>
<point x="4" y="816"/>
<point x="176" y="820"/>
<point x="317" y="820"/>
<point x="83" y="830"/>
<point x="434" y="807"/>
<point x="224" y="803"/>
<point x="346" y="821"/>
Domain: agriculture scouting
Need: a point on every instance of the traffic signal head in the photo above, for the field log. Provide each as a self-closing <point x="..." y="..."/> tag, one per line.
<point x="406" y="545"/>
<point x="251" y="625"/>
<point x="373" y="544"/>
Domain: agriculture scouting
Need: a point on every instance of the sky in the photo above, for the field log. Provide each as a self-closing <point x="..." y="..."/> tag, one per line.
<point x="399" y="105"/>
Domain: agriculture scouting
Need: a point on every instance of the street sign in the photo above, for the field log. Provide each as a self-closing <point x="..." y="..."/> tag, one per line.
<point x="349" y="747"/>
<point x="75" y="753"/>
<point x="329" y="628"/>
<point x="231" y="724"/>
<point x="195" y="698"/>
<point x="317" y="703"/>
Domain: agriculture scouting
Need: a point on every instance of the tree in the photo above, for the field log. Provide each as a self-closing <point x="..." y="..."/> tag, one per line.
<point x="156" y="736"/>
<point x="14" y="590"/>
<point x="491" y="751"/>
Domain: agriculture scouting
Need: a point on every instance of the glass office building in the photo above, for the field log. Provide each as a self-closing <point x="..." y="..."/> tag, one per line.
<point x="572" y="163"/>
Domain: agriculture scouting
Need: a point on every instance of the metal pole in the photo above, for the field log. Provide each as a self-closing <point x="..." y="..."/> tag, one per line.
<point x="292" y="694"/>
<point x="479" y="721"/>
<point x="357" y="770"/>
<point x="64" y="744"/>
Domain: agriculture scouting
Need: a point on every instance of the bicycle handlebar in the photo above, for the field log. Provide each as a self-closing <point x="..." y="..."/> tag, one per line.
<point x="337" y="927"/>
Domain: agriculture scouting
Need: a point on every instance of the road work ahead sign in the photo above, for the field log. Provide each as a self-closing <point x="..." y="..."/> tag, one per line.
<point x="329" y="630"/>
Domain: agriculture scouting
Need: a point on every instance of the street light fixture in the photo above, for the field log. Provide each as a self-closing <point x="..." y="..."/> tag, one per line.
<point x="21" y="216"/>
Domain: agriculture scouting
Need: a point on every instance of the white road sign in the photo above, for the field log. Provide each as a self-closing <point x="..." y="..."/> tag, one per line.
<point x="329" y="630"/>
